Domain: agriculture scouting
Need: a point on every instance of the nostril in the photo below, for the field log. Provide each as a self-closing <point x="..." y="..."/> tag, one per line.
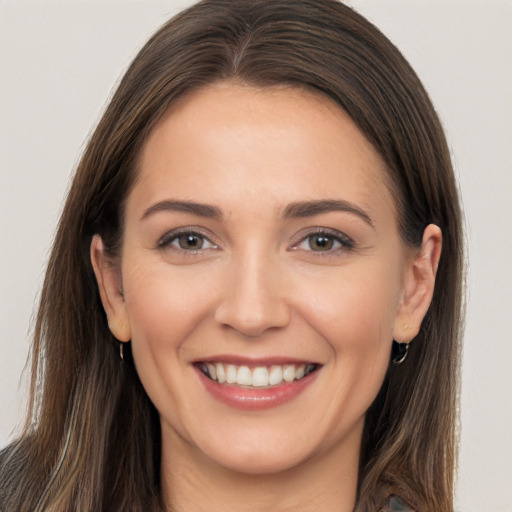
<point x="251" y="319"/>
<point x="253" y="323"/>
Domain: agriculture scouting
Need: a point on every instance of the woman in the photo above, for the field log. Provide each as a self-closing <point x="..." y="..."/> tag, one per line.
<point x="264" y="207"/>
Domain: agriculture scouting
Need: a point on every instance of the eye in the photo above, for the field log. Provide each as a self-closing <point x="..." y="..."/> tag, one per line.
<point x="321" y="242"/>
<point x="190" y="241"/>
<point x="187" y="241"/>
<point x="325" y="241"/>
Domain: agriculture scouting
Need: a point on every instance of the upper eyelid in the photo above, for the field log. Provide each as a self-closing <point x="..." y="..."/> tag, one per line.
<point x="338" y="235"/>
<point x="175" y="233"/>
<point x="342" y="237"/>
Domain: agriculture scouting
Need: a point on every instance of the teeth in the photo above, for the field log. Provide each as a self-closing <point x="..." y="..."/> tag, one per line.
<point x="212" y="370"/>
<point x="289" y="372"/>
<point x="243" y="376"/>
<point x="300" y="372"/>
<point x="231" y="374"/>
<point x="221" y="374"/>
<point x="258" y="377"/>
<point x="275" y="376"/>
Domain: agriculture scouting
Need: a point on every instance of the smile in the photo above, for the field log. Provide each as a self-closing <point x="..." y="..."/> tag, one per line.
<point x="258" y="377"/>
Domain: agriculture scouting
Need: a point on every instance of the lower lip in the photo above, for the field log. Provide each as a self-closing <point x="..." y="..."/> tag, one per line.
<point x="256" y="399"/>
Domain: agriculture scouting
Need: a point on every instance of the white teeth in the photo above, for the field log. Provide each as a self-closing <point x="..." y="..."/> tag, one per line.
<point x="221" y="375"/>
<point x="231" y="374"/>
<point x="275" y="376"/>
<point x="212" y="371"/>
<point x="289" y="372"/>
<point x="243" y="376"/>
<point x="258" y="377"/>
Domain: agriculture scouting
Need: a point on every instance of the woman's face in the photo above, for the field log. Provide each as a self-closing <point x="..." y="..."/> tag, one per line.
<point x="262" y="277"/>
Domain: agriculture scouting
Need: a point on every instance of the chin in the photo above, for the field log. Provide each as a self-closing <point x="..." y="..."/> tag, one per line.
<point x="259" y="462"/>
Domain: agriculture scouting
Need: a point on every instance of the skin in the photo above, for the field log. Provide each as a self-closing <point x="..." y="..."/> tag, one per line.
<point x="261" y="286"/>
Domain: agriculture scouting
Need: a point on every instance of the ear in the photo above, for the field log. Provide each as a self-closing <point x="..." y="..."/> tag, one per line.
<point x="110" y="287"/>
<point x="419" y="281"/>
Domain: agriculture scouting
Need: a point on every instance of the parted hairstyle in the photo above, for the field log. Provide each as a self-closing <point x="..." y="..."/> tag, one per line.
<point x="92" y="438"/>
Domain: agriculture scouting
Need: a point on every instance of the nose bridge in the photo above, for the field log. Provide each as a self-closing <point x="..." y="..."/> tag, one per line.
<point x="254" y="299"/>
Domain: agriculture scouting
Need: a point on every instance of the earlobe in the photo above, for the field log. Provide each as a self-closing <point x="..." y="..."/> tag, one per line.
<point x="419" y="285"/>
<point x="109" y="285"/>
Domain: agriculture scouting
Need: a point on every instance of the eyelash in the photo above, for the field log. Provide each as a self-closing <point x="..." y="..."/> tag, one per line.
<point x="169" y="239"/>
<point x="331" y="236"/>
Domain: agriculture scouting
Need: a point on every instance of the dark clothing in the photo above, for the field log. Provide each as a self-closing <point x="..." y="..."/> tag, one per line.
<point x="395" y="504"/>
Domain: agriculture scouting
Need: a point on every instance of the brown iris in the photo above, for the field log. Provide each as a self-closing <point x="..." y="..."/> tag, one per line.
<point x="190" y="241"/>
<point x="321" y="242"/>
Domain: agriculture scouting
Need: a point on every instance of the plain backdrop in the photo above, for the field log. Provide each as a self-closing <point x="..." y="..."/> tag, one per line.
<point x="59" y="61"/>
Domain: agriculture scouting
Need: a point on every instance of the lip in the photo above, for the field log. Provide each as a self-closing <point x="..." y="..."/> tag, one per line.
<point x="254" y="399"/>
<point x="253" y="362"/>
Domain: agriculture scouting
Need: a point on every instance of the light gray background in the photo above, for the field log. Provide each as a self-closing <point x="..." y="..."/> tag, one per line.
<point x="58" y="63"/>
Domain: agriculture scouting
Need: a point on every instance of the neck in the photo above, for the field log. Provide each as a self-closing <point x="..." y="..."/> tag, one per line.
<point x="191" y="482"/>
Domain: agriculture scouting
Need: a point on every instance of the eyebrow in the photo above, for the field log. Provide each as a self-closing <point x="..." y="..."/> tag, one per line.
<point x="312" y="208"/>
<point x="202" y="210"/>
<point x="296" y="210"/>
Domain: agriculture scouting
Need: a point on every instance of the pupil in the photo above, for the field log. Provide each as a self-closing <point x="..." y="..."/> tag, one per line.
<point x="321" y="243"/>
<point x="190" y="241"/>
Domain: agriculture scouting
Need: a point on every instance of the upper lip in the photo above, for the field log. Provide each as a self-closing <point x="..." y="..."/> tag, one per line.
<point x="239" y="360"/>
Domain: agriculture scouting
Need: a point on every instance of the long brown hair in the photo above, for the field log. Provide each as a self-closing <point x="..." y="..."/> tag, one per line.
<point x="92" y="439"/>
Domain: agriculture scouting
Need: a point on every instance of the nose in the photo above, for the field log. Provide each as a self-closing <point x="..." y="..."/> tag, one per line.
<point x="254" y="297"/>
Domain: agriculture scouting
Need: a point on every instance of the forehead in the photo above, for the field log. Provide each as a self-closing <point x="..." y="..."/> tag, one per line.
<point x="280" y="144"/>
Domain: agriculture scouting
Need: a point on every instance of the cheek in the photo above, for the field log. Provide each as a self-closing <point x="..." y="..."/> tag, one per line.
<point x="163" y="304"/>
<point x="355" y="310"/>
<point x="164" y="307"/>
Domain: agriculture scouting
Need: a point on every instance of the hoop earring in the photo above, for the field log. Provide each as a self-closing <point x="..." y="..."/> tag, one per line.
<point x="399" y="353"/>
<point x="121" y="351"/>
